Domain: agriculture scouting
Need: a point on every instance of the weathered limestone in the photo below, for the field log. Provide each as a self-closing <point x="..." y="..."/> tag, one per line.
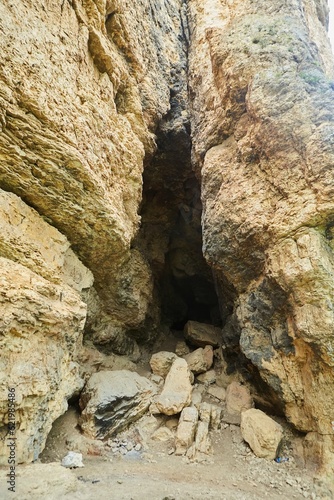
<point x="208" y="377"/>
<point x="238" y="398"/>
<point x="176" y="393"/>
<point x="109" y="68"/>
<point x="186" y="430"/>
<point x="83" y="86"/>
<point x="161" y="362"/>
<point x="200" y="360"/>
<point x="110" y="401"/>
<point x="200" y="334"/>
<point x="41" y="325"/>
<point x="217" y="392"/>
<point x="181" y="348"/>
<point x="260" y="77"/>
<point x="162" y="434"/>
<point x="261" y="432"/>
<point x="26" y="238"/>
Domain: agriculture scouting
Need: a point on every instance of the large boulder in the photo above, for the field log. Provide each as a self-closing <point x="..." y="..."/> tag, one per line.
<point x="111" y="400"/>
<point x="161" y="362"/>
<point x="261" y="432"/>
<point x="176" y="393"/>
<point x="201" y="334"/>
<point x="201" y="360"/>
<point x="186" y="429"/>
<point x="238" y="398"/>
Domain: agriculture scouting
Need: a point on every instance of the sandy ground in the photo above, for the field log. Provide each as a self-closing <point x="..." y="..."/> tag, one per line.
<point x="230" y="472"/>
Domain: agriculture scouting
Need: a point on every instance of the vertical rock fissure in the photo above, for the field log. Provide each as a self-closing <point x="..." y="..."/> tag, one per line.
<point x="170" y="236"/>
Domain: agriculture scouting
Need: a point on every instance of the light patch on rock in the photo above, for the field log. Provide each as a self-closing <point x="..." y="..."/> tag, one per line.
<point x="261" y="432"/>
<point x="161" y="362"/>
<point x="72" y="460"/>
<point x="201" y="334"/>
<point x="111" y="400"/>
<point x="177" y="390"/>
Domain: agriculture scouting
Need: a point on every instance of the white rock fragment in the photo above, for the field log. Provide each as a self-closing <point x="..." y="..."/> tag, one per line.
<point x="177" y="390"/>
<point x="72" y="460"/>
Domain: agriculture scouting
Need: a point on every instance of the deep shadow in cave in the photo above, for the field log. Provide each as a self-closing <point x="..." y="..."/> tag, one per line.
<point x="171" y="236"/>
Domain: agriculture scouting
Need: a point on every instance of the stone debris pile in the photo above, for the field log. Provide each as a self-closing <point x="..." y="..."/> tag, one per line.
<point x="186" y="396"/>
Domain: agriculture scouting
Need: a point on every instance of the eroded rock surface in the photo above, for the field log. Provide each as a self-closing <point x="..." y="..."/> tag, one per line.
<point x="176" y="393"/>
<point x="96" y="100"/>
<point x="111" y="400"/>
<point x="261" y="432"/>
<point x="261" y="86"/>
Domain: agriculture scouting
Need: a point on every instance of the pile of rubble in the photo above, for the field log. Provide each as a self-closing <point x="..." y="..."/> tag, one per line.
<point x="184" y="398"/>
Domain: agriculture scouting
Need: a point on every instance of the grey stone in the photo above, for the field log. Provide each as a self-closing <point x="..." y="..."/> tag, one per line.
<point x="111" y="400"/>
<point x="72" y="460"/>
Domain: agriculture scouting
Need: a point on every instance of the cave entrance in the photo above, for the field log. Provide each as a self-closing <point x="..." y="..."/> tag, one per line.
<point x="171" y="235"/>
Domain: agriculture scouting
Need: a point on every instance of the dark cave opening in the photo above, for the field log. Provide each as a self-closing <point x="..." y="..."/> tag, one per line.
<point x="171" y="240"/>
<point x="171" y="235"/>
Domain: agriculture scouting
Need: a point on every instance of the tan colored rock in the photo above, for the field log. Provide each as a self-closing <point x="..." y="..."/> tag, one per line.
<point x="157" y="380"/>
<point x="267" y="230"/>
<point x="217" y="392"/>
<point x="196" y="397"/>
<point x="261" y="432"/>
<point x="238" y="398"/>
<point x="211" y="414"/>
<point x="172" y="424"/>
<point x="161" y="362"/>
<point x="162" y="434"/>
<point x="147" y="425"/>
<point x="201" y="360"/>
<point x="41" y="325"/>
<point x="318" y="453"/>
<point x="91" y="361"/>
<point x="202" y="441"/>
<point x="28" y="239"/>
<point x="205" y="412"/>
<point x="177" y="390"/>
<point x="181" y="348"/>
<point x="200" y="334"/>
<point x="207" y="378"/>
<point x="111" y="400"/>
<point x="115" y="77"/>
<point x="186" y="430"/>
<point x="216" y="413"/>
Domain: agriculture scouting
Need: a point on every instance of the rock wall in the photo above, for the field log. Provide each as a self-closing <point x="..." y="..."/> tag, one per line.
<point x="83" y="86"/>
<point x="262" y="99"/>
<point x="101" y="183"/>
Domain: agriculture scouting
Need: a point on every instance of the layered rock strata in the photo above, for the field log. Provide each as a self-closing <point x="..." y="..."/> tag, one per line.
<point x="89" y="90"/>
<point x="83" y="86"/>
<point x="262" y="99"/>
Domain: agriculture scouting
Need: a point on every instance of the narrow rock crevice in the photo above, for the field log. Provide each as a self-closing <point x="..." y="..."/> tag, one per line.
<point x="170" y="236"/>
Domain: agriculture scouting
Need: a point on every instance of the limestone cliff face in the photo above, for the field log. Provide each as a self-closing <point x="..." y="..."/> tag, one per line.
<point x="83" y="86"/>
<point x="102" y="192"/>
<point x="262" y="98"/>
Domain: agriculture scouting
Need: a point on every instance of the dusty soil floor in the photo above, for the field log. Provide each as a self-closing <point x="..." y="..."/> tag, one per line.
<point x="230" y="472"/>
